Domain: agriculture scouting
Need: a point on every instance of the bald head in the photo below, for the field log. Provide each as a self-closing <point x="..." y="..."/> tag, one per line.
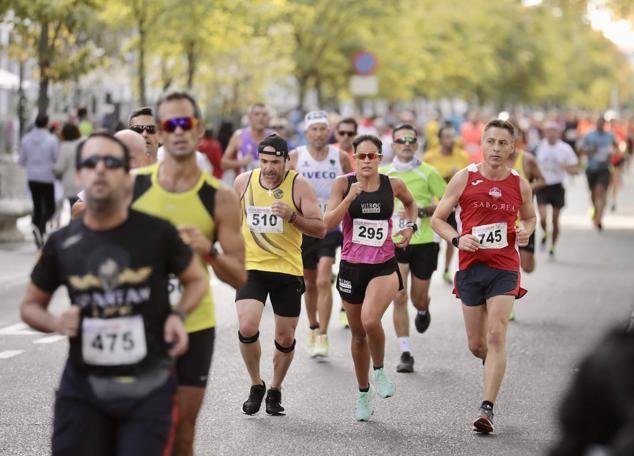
<point x="136" y="145"/>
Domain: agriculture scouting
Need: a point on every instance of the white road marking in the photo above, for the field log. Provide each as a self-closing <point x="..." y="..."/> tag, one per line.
<point x="10" y="353"/>
<point x="49" y="339"/>
<point x="18" y="329"/>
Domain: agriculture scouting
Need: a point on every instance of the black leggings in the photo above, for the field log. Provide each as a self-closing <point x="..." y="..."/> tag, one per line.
<point x="43" y="194"/>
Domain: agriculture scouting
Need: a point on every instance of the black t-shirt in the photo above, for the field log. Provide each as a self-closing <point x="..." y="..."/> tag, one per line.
<point x="377" y="205"/>
<point x="119" y="278"/>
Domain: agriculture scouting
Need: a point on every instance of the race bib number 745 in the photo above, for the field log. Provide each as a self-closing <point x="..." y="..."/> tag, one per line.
<point x="113" y="341"/>
<point x="492" y="236"/>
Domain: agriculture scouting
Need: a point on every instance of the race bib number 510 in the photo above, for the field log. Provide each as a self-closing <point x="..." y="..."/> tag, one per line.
<point x="492" y="236"/>
<point x="261" y="219"/>
<point x="369" y="232"/>
<point x="113" y="341"/>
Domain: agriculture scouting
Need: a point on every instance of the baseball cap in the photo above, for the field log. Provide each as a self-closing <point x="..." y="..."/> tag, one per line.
<point x="315" y="117"/>
<point x="276" y="142"/>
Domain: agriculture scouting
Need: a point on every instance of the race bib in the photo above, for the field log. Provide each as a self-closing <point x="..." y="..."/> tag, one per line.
<point x="261" y="219"/>
<point x="399" y="223"/>
<point x="174" y="289"/>
<point x="369" y="232"/>
<point x="113" y="341"/>
<point x="492" y="236"/>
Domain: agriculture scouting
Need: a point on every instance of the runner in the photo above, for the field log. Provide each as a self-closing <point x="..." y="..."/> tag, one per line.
<point x="420" y="257"/>
<point x="241" y="153"/>
<point x="488" y="197"/>
<point x="142" y="121"/>
<point x="598" y="146"/>
<point x="320" y="164"/>
<point x="368" y="272"/>
<point x="119" y="380"/>
<point x="555" y="159"/>
<point x="204" y="211"/>
<point x="447" y="159"/>
<point x="278" y="206"/>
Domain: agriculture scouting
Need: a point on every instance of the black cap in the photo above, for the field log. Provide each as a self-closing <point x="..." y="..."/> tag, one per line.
<point x="275" y="141"/>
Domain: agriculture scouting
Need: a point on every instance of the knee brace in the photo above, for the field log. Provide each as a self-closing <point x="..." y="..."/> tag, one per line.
<point x="285" y="349"/>
<point x="248" y="340"/>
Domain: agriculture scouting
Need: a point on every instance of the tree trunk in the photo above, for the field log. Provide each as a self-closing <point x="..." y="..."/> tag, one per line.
<point x="141" y="62"/>
<point x="21" y="100"/>
<point x="191" y="63"/>
<point x="43" y="52"/>
<point x="302" y="82"/>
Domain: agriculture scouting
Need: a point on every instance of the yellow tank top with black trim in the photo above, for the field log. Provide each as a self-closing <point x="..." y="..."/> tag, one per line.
<point x="193" y="207"/>
<point x="272" y="244"/>
<point x="519" y="164"/>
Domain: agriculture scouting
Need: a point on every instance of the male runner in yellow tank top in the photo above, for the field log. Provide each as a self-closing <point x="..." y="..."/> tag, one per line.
<point x="277" y="207"/>
<point x="204" y="211"/>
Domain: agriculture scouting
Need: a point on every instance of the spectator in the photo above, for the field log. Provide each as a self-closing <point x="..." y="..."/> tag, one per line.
<point x="213" y="150"/>
<point x="65" y="166"/>
<point x="85" y="127"/>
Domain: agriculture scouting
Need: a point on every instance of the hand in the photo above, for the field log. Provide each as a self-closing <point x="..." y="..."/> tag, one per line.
<point x="405" y="234"/>
<point x="175" y="334"/>
<point x="468" y="243"/>
<point x="355" y="190"/>
<point x="68" y="322"/>
<point x="282" y="210"/>
<point x="192" y="236"/>
<point x="246" y="160"/>
<point x="522" y="236"/>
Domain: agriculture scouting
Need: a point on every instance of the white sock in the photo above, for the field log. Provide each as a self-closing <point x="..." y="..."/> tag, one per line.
<point x="403" y="342"/>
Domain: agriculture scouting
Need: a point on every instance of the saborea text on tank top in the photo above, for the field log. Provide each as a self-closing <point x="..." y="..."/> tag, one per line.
<point x="488" y="209"/>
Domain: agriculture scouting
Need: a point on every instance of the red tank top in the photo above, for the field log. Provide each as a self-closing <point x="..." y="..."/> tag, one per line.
<point x="488" y="209"/>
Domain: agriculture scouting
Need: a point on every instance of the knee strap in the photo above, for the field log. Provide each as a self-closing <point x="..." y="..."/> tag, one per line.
<point x="285" y="349"/>
<point x="249" y="340"/>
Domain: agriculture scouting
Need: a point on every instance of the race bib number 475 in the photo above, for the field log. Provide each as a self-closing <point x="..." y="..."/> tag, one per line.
<point x="492" y="236"/>
<point x="113" y="341"/>
<point x="372" y="233"/>
<point x="261" y="219"/>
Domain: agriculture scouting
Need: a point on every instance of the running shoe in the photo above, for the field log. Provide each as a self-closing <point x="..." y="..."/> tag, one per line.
<point x="447" y="278"/>
<point x="256" y="394"/>
<point x="551" y="252"/>
<point x="343" y="319"/>
<point x="422" y="321"/>
<point x="484" y="423"/>
<point x="274" y="402"/>
<point x="365" y="406"/>
<point x="384" y="386"/>
<point x="311" y="339"/>
<point x="321" y="346"/>
<point x="407" y="363"/>
<point x="542" y="245"/>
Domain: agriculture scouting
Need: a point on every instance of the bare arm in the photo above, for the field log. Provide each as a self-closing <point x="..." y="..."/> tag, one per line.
<point x="338" y="205"/>
<point x="535" y="176"/>
<point x="346" y="166"/>
<point x="310" y="220"/>
<point x="292" y="162"/>
<point x="401" y="192"/>
<point x="194" y="282"/>
<point x="230" y="158"/>
<point x="527" y="214"/>
<point x="34" y="310"/>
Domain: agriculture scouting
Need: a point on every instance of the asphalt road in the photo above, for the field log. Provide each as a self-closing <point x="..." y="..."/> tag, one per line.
<point x="572" y="300"/>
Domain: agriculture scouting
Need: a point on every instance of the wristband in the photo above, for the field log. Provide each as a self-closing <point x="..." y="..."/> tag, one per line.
<point x="412" y="226"/>
<point x="455" y="241"/>
<point x="422" y="212"/>
<point x="180" y="314"/>
<point x="292" y="219"/>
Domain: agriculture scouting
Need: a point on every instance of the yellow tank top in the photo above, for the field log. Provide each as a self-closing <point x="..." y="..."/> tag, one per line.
<point x="519" y="164"/>
<point x="194" y="207"/>
<point x="271" y="243"/>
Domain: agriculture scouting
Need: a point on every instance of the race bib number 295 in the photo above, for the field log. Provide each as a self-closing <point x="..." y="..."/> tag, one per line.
<point x="113" y="341"/>
<point x="369" y="232"/>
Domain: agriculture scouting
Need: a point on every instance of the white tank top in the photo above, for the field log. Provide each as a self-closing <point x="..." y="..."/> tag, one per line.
<point x="321" y="174"/>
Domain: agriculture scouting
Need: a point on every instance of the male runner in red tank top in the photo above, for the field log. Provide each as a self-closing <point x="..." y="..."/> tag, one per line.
<point x="488" y="197"/>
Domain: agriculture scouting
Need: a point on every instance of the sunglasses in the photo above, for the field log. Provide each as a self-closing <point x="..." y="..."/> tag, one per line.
<point x="109" y="162"/>
<point x="278" y="127"/>
<point x="406" y="140"/>
<point x="151" y="129"/>
<point x="347" y="133"/>
<point x="369" y="155"/>
<point x="186" y="124"/>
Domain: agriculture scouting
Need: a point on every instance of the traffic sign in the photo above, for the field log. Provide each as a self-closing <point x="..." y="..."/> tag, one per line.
<point x="364" y="63"/>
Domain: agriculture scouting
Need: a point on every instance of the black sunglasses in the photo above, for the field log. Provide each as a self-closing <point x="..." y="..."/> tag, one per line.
<point x="151" y="129"/>
<point x="109" y="162"/>
<point x="406" y="140"/>
<point x="347" y="133"/>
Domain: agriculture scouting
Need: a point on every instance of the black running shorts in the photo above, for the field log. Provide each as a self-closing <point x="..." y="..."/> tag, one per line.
<point x="599" y="177"/>
<point x="285" y="291"/>
<point x="553" y="195"/>
<point x="84" y="424"/>
<point x="479" y="282"/>
<point x="192" y="369"/>
<point x="353" y="278"/>
<point x="421" y="258"/>
<point x="313" y="248"/>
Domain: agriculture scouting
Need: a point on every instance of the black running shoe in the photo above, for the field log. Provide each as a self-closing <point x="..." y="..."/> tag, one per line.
<point x="407" y="363"/>
<point x="256" y="394"/>
<point x="274" y="403"/>
<point x="422" y="321"/>
<point x="484" y="423"/>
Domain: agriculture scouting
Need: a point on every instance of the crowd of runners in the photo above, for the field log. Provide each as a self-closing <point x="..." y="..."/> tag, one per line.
<point x="362" y="207"/>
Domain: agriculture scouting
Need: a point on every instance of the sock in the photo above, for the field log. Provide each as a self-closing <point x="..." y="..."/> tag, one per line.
<point x="364" y="390"/>
<point x="314" y="327"/>
<point x="488" y="404"/>
<point x="377" y="368"/>
<point x="403" y="342"/>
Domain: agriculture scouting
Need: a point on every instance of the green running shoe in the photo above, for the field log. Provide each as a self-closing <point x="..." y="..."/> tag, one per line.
<point x="365" y="405"/>
<point x="384" y="386"/>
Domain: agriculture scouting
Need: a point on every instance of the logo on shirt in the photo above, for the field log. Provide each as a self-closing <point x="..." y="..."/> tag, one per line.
<point x="370" y="208"/>
<point x="476" y="182"/>
<point x="332" y="162"/>
<point x="109" y="276"/>
<point x="495" y="193"/>
<point x="278" y="193"/>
